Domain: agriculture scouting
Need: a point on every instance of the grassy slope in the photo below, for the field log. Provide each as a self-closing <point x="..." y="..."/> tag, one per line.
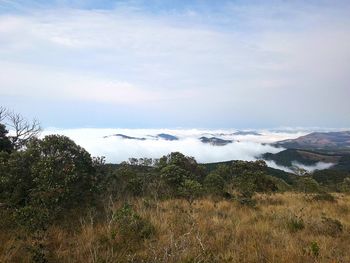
<point x="206" y="232"/>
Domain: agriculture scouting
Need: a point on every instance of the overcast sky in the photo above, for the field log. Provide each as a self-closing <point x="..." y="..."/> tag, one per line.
<point x="166" y="64"/>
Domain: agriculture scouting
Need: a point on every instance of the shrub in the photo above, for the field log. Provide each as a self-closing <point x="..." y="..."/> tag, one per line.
<point x="214" y="184"/>
<point x="246" y="201"/>
<point x="295" y="224"/>
<point x="314" y="249"/>
<point x="190" y="190"/>
<point x="324" y="196"/>
<point x="32" y="219"/>
<point x="331" y="227"/>
<point x="131" y="225"/>
<point x="307" y="185"/>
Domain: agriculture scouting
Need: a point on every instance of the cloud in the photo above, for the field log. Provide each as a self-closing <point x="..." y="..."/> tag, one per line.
<point x="250" y="63"/>
<point x="116" y="149"/>
<point x="308" y="168"/>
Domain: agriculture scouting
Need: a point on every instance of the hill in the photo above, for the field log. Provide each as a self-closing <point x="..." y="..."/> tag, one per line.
<point x="339" y="141"/>
<point x="215" y="141"/>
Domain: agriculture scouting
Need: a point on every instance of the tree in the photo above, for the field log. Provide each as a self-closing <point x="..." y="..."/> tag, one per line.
<point x="3" y="113"/>
<point x="214" y="184"/>
<point x="190" y="190"/>
<point x="5" y="143"/>
<point x="186" y="163"/>
<point x="53" y="173"/>
<point x="174" y="175"/>
<point x="345" y="185"/>
<point x="22" y="129"/>
<point x="63" y="172"/>
<point x="307" y="184"/>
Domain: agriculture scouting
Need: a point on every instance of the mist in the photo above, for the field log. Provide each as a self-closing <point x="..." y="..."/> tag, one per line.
<point x="116" y="149"/>
<point x="308" y="168"/>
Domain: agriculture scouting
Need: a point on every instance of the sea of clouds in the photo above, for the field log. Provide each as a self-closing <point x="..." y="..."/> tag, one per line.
<point x="101" y="142"/>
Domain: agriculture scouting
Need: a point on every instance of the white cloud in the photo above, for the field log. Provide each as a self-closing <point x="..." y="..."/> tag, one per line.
<point x="116" y="149"/>
<point x="280" y="63"/>
<point x="308" y="168"/>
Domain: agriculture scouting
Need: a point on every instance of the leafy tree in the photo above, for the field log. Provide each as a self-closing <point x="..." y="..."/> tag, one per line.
<point x="53" y="173"/>
<point x="186" y="163"/>
<point x="307" y="184"/>
<point x="214" y="184"/>
<point x="242" y="167"/>
<point x="190" y="190"/>
<point x="345" y="185"/>
<point x="249" y="183"/>
<point x="63" y="172"/>
<point x="16" y="179"/>
<point x="174" y="175"/>
<point x="5" y="143"/>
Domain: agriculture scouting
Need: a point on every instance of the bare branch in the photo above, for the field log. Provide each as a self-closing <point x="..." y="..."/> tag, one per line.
<point x="23" y="130"/>
<point x="3" y="113"/>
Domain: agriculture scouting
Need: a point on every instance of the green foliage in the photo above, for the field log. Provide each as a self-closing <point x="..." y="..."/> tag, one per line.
<point x="52" y="174"/>
<point x="345" y="185"/>
<point x="131" y="225"/>
<point x="315" y="249"/>
<point x="295" y="224"/>
<point x="5" y="143"/>
<point x="324" y="196"/>
<point x="307" y="185"/>
<point x="244" y="167"/>
<point x="16" y="180"/>
<point x="32" y="218"/>
<point x="174" y="175"/>
<point x="63" y="173"/>
<point x="190" y="190"/>
<point x="186" y="163"/>
<point x="330" y="178"/>
<point x="254" y="182"/>
<point x="214" y="184"/>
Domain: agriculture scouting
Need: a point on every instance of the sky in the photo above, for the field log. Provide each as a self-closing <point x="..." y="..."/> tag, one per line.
<point x="169" y="64"/>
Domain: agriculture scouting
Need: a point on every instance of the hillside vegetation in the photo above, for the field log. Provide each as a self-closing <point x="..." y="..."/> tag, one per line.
<point x="59" y="204"/>
<point x="282" y="228"/>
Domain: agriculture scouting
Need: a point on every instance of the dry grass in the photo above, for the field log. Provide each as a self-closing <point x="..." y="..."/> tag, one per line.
<point x="282" y="228"/>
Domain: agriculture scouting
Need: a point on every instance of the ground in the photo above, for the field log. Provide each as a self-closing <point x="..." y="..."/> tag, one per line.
<point x="288" y="227"/>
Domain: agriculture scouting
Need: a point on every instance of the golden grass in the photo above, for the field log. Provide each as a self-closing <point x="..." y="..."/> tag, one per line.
<point x="207" y="231"/>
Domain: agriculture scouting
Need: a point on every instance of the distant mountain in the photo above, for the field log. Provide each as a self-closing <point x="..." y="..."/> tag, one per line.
<point x="126" y="137"/>
<point x="167" y="137"/>
<point x="236" y="133"/>
<point x="319" y="140"/>
<point x="215" y="141"/>
<point x="247" y="133"/>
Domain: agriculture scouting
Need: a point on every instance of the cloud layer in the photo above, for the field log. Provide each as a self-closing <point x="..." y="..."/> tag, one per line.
<point x="116" y="149"/>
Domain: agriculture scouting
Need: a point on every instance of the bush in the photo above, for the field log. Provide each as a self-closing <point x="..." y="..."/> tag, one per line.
<point x="190" y="190"/>
<point x="295" y="224"/>
<point x="131" y="225"/>
<point x="214" y="184"/>
<point x="314" y="249"/>
<point x="307" y="185"/>
<point x="53" y="173"/>
<point x="331" y="227"/>
<point x="324" y="196"/>
<point x="246" y="201"/>
<point x="32" y="218"/>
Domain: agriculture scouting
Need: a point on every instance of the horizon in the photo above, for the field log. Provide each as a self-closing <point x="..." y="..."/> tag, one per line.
<point x="166" y="64"/>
